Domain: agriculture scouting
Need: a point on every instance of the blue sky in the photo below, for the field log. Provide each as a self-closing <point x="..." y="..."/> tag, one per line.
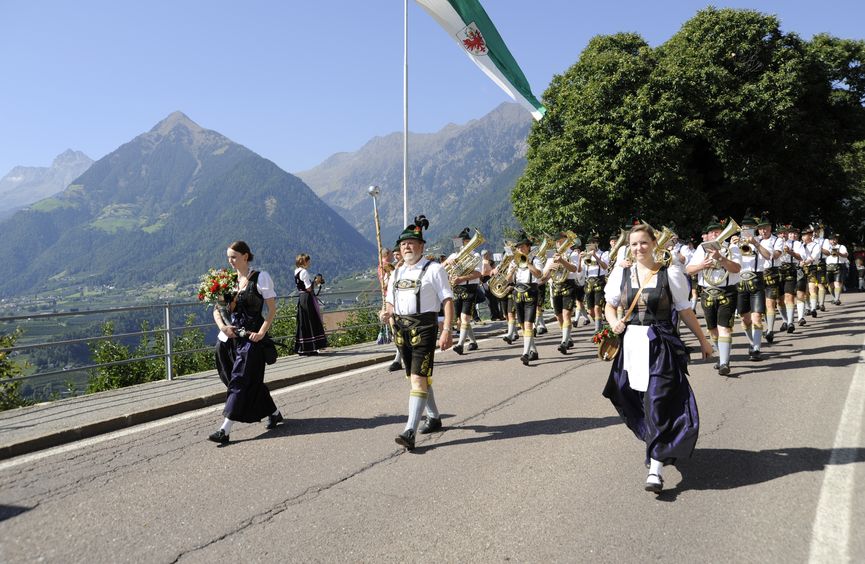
<point x="294" y="81"/>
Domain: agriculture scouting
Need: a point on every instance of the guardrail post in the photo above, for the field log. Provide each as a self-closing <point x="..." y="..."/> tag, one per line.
<point x="168" y="351"/>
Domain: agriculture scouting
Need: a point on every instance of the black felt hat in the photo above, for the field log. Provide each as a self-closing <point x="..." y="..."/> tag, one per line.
<point x="713" y="225"/>
<point x="523" y="239"/>
<point x="807" y="229"/>
<point x="414" y="231"/>
<point x="764" y="220"/>
<point x="465" y="234"/>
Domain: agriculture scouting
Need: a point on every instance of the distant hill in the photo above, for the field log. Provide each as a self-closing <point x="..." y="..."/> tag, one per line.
<point x="164" y="207"/>
<point x="24" y="185"/>
<point x="459" y="176"/>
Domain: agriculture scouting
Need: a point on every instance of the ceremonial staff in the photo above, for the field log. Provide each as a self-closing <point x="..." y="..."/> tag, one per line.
<point x="374" y="191"/>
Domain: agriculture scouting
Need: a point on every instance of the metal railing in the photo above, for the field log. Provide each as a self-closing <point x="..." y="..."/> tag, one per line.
<point x="362" y="300"/>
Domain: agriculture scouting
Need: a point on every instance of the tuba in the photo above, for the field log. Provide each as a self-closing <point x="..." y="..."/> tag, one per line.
<point x="715" y="274"/>
<point x="663" y="255"/>
<point x="622" y="240"/>
<point x="560" y="273"/>
<point x="499" y="282"/>
<point x="465" y="261"/>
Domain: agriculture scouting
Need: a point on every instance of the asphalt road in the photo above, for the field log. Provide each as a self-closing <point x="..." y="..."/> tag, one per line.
<point x="533" y="465"/>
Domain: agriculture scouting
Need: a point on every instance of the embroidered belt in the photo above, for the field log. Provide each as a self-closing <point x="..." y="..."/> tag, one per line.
<point x="413" y="321"/>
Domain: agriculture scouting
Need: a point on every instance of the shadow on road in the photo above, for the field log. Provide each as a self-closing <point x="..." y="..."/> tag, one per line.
<point x="726" y="469"/>
<point x="9" y="511"/>
<point x="557" y="426"/>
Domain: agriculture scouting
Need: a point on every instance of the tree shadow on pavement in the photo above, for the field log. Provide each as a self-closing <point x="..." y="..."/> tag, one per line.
<point x="726" y="469"/>
<point x="557" y="426"/>
<point x="9" y="511"/>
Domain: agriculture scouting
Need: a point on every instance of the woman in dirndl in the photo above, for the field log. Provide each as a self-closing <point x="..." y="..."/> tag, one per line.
<point x="309" y="337"/>
<point x="648" y="382"/>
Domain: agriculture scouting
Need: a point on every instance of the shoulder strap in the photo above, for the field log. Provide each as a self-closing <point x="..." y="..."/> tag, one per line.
<point x="254" y="281"/>
<point x="640" y="291"/>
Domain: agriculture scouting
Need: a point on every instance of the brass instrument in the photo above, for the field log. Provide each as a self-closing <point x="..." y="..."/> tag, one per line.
<point x="465" y="262"/>
<point x="499" y="282"/>
<point x="560" y="273"/>
<point x="715" y="274"/>
<point x="662" y="253"/>
<point x="622" y="240"/>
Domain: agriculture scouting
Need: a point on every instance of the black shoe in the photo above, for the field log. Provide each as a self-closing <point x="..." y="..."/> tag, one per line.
<point x="508" y="340"/>
<point x="654" y="483"/>
<point x="770" y="337"/>
<point x="822" y="307"/>
<point x="406" y="439"/>
<point x="570" y="344"/>
<point x="802" y="322"/>
<point x="755" y="355"/>
<point x="394" y="366"/>
<point x="473" y="346"/>
<point x="716" y="366"/>
<point x="724" y="369"/>
<point x="541" y="330"/>
<point x="458" y="349"/>
<point x="219" y="437"/>
<point x="837" y="302"/>
<point x="783" y="327"/>
<point x="533" y="355"/>
<point x="814" y="313"/>
<point x="274" y="420"/>
<point x="791" y="328"/>
<point x="563" y="348"/>
<point x="429" y="425"/>
<point x="525" y="359"/>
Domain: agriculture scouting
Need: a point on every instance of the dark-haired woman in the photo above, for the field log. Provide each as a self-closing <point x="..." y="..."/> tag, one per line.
<point x="309" y="337"/>
<point x="240" y="352"/>
<point x="648" y="381"/>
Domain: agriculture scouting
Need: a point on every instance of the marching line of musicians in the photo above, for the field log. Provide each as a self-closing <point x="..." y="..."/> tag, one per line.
<point x="750" y="269"/>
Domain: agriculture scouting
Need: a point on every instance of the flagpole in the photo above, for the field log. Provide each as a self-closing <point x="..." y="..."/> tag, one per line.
<point x="405" y="116"/>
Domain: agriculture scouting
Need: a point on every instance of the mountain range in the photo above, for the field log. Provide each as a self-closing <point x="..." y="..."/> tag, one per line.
<point x="163" y="208"/>
<point x="24" y="185"/>
<point x="460" y="176"/>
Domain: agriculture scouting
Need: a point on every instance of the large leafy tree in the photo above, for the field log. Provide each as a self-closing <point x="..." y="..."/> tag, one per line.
<point x="727" y="115"/>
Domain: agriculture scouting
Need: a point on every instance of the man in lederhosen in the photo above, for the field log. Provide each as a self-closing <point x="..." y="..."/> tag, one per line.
<point x="416" y="292"/>
<point x="563" y="294"/>
<point x="812" y="261"/>
<point x="751" y="289"/>
<point x="798" y="252"/>
<point x="836" y="267"/>
<point x="525" y="294"/>
<point x="770" y="248"/>
<point x="465" y="290"/>
<point x="824" y="285"/>
<point x="787" y="272"/>
<point x="717" y="276"/>
<point x="596" y="279"/>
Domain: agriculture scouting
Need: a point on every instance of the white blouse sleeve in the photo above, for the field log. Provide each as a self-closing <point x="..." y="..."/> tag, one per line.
<point x="613" y="289"/>
<point x="679" y="288"/>
<point x="265" y="285"/>
<point x="305" y="277"/>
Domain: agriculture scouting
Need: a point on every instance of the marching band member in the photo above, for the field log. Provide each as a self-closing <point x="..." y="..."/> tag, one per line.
<point x="415" y="293"/>
<point x="718" y="290"/>
<point x="751" y="290"/>
<point x="508" y="304"/>
<point x="801" y="276"/>
<point x="465" y="293"/>
<point x="596" y="271"/>
<point x="835" y="267"/>
<point x="770" y="249"/>
<point x="648" y="382"/>
<point x="580" y="293"/>
<point x="525" y="295"/>
<point x="811" y="267"/>
<point x="563" y="294"/>
<point x="791" y="254"/>
<point x="824" y="285"/>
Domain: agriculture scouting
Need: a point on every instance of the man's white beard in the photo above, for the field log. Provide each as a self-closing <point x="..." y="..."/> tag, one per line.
<point x="410" y="258"/>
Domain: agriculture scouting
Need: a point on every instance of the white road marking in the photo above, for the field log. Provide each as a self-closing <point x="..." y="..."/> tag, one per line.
<point x="830" y="537"/>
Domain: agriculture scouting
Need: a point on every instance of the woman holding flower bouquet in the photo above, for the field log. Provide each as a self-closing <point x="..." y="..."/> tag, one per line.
<point x="648" y="382"/>
<point x="240" y="354"/>
<point x="309" y="336"/>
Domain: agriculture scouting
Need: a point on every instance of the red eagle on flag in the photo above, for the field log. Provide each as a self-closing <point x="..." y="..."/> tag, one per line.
<point x="472" y="40"/>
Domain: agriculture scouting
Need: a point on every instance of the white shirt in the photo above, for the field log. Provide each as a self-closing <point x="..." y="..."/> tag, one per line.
<point x="304" y="277"/>
<point x="676" y="277"/>
<point x="734" y="254"/>
<point x="813" y="252"/>
<point x="267" y="291"/>
<point x="434" y="288"/>
<point x="772" y="244"/>
<point x="525" y="276"/>
<point x="839" y="259"/>
<point x="794" y="245"/>
<point x="595" y="269"/>
<point x="572" y="257"/>
<point x="478" y="268"/>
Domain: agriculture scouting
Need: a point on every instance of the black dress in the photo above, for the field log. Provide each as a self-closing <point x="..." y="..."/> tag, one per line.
<point x="240" y="362"/>
<point x="309" y="335"/>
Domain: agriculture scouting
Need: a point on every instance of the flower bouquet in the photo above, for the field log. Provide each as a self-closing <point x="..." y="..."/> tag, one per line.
<point x="608" y="343"/>
<point x="218" y="288"/>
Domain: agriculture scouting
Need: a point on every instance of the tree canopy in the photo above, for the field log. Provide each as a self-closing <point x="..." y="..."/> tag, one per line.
<point x="730" y="114"/>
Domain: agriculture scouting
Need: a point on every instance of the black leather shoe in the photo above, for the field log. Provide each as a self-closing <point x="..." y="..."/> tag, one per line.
<point x="770" y="337"/>
<point x="570" y="344"/>
<point x="814" y="313"/>
<point x="533" y="355"/>
<point x="274" y="420"/>
<point x="783" y="327"/>
<point x="429" y="425"/>
<point x="791" y="328"/>
<point x="394" y="366"/>
<point x="724" y="370"/>
<point x="755" y="355"/>
<point x="802" y="322"/>
<point x="654" y="483"/>
<point x="458" y="349"/>
<point x="525" y="359"/>
<point x="406" y="439"/>
<point x="823" y="307"/>
<point x="716" y="366"/>
<point x="541" y="330"/>
<point x="508" y="340"/>
<point x="837" y="302"/>
<point x="473" y="346"/>
<point x="563" y="348"/>
<point x="218" y="437"/>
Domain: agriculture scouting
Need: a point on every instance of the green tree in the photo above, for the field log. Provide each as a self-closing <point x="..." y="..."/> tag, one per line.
<point x="728" y="114"/>
<point x="10" y="390"/>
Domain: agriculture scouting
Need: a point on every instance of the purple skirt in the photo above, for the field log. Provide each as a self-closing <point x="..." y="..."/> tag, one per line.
<point x="665" y="415"/>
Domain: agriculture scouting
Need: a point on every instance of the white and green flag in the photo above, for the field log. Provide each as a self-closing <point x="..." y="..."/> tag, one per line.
<point x="468" y="23"/>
